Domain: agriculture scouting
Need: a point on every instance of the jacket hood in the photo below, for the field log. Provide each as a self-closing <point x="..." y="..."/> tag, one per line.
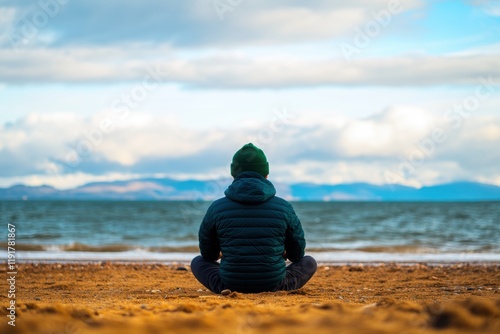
<point x="250" y="188"/>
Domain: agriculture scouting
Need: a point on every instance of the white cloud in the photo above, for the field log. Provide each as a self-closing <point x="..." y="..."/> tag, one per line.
<point x="490" y="7"/>
<point x="27" y="145"/>
<point x="385" y="134"/>
<point x="231" y="71"/>
<point x="142" y="136"/>
<point x="197" y="23"/>
<point x="302" y="23"/>
<point x="7" y="17"/>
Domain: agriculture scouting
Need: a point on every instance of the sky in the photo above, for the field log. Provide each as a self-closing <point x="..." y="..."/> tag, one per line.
<point x="334" y="92"/>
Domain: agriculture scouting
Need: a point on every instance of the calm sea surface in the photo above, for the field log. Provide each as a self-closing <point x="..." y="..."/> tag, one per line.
<point x="335" y="231"/>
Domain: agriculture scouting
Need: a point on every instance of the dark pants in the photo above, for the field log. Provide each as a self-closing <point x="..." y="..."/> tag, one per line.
<point x="297" y="274"/>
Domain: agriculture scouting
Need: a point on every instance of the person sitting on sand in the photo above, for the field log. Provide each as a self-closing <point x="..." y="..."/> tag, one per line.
<point x="253" y="232"/>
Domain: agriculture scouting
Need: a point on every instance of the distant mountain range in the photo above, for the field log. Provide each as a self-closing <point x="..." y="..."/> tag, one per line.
<point x="169" y="189"/>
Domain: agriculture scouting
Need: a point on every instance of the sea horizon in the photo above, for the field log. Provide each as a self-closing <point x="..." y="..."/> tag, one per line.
<point x="159" y="189"/>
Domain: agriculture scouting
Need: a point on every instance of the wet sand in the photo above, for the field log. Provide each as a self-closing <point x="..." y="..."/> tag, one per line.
<point x="153" y="298"/>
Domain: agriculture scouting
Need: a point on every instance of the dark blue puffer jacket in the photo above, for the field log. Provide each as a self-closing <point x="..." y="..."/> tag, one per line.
<point x="252" y="227"/>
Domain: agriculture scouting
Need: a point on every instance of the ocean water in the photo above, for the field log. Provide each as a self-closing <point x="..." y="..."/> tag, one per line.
<point x="337" y="232"/>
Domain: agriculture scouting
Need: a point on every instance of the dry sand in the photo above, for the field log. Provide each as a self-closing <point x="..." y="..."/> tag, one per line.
<point x="152" y="298"/>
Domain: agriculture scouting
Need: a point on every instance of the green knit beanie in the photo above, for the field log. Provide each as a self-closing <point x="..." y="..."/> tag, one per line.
<point x="249" y="159"/>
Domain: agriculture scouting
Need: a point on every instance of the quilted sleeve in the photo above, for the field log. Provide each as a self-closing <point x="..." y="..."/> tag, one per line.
<point x="208" y="240"/>
<point x="295" y="242"/>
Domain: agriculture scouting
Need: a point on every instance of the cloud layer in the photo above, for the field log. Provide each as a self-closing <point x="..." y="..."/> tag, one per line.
<point x="396" y="145"/>
<point x="60" y="41"/>
<point x="231" y="71"/>
<point x="214" y="52"/>
<point x="190" y="23"/>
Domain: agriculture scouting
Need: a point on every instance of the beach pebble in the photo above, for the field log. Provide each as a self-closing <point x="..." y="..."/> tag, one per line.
<point x="199" y="290"/>
<point x="225" y="292"/>
<point x="38" y="298"/>
<point x="181" y="269"/>
<point x="155" y="291"/>
<point x="358" y="268"/>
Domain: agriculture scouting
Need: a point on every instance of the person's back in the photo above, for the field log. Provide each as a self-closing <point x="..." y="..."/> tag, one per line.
<point x="251" y="225"/>
<point x="254" y="230"/>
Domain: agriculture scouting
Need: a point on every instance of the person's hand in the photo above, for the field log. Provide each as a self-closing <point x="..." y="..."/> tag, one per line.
<point x="220" y="256"/>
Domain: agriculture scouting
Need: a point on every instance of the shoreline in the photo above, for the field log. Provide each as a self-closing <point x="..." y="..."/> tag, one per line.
<point x="321" y="264"/>
<point x="109" y="298"/>
<point x="321" y="257"/>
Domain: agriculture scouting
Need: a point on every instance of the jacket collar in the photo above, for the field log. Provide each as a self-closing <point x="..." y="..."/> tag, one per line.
<point x="251" y="188"/>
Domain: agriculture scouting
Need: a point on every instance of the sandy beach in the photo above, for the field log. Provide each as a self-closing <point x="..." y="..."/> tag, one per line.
<point x="155" y="298"/>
